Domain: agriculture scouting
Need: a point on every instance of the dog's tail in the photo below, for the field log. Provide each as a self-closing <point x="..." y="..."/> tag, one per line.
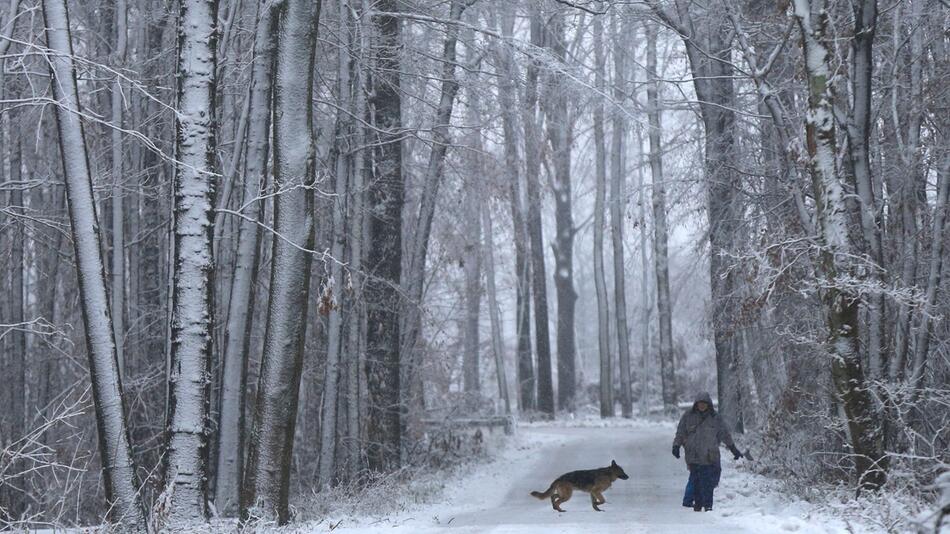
<point x="545" y="495"/>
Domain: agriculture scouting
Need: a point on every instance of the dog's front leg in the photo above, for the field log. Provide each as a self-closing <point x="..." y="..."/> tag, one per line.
<point x="594" y="501"/>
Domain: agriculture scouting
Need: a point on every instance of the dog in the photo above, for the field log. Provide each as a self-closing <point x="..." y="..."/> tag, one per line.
<point x="593" y="481"/>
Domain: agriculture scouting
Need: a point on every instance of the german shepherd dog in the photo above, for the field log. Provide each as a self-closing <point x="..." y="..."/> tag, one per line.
<point x="593" y="481"/>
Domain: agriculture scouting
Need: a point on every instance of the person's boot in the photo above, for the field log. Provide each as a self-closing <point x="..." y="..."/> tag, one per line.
<point x="697" y="508"/>
<point x="708" y="508"/>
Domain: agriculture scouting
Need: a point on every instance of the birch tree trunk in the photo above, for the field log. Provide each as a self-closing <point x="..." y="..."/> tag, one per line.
<point x="122" y="496"/>
<point x="840" y="305"/>
<point x="267" y="477"/>
<point x="660" y="232"/>
<point x="384" y="249"/>
<point x="617" y="200"/>
<point x="600" y="160"/>
<point x="231" y="419"/>
<point x="560" y="138"/>
<point x="191" y="320"/>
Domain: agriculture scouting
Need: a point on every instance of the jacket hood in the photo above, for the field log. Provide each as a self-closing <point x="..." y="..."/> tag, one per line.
<point x="703" y="397"/>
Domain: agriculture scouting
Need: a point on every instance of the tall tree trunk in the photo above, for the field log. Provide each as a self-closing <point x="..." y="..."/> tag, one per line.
<point x="118" y="189"/>
<point x="922" y="353"/>
<point x="617" y="200"/>
<point x="859" y="128"/>
<point x="13" y="357"/>
<point x="122" y="496"/>
<point x="192" y="317"/>
<point x="840" y="304"/>
<point x="18" y="384"/>
<point x="532" y="156"/>
<point x="660" y="232"/>
<point x="710" y="58"/>
<point x="560" y="138"/>
<point x="435" y="171"/>
<point x="473" y="255"/>
<point x="910" y="206"/>
<point x="600" y="159"/>
<point x="472" y="268"/>
<point x="267" y="477"/>
<point x="527" y="383"/>
<point x="497" y="335"/>
<point x="356" y="325"/>
<point x="231" y="417"/>
<point x="646" y="353"/>
<point x="334" y="289"/>
<point x="384" y="250"/>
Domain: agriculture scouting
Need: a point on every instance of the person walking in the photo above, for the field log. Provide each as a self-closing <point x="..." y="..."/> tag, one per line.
<point x="700" y="431"/>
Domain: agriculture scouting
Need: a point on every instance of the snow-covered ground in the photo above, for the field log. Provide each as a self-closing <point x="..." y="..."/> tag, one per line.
<point x="493" y="497"/>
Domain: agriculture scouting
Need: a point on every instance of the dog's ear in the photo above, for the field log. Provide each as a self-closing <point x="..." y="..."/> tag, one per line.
<point x="613" y="462"/>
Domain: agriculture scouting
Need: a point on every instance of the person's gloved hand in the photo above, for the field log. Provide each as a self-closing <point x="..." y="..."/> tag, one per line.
<point x="676" y="451"/>
<point x="735" y="452"/>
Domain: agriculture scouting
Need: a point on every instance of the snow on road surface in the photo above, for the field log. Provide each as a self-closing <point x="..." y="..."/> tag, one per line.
<point x="493" y="498"/>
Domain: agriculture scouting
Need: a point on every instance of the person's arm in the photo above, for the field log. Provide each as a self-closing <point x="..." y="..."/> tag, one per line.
<point x="680" y="437"/>
<point x="726" y="438"/>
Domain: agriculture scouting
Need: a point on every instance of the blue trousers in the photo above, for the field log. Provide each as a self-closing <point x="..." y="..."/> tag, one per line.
<point x="703" y="479"/>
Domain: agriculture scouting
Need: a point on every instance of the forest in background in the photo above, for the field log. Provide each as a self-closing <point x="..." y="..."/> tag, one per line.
<point x="253" y="249"/>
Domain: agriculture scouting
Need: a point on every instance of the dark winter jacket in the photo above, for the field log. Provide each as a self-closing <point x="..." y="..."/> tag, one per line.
<point x="701" y="433"/>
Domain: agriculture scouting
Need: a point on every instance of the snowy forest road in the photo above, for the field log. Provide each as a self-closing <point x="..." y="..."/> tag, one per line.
<point x="494" y="498"/>
<point x="648" y="502"/>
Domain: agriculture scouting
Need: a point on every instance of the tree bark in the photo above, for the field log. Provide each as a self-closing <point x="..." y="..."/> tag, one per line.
<point x="646" y="352"/>
<point x="231" y="418"/>
<point x="922" y="353"/>
<point x="334" y="290"/>
<point x="600" y="177"/>
<point x="384" y="208"/>
<point x="660" y="232"/>
<point x="267" y="477"/>
<point x="560" y="138"/>
<point x="497" y="335"/>
<point x="435" y="171"/>
<point x="356" y="326"/>
<point x="118" y="189"/>
<point x="472" y="268"/>
<point x="18" y="386"/>
<point x="710" y="58"/>
<point x="527" y="382"/>
<point x="122" y="495"/>
<point x="186" y="470"/>
<point x="532" y="158"/>
<point x="859" y="128"/>
<point x="617" y="176"/>
<point x="840" y="304"/>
